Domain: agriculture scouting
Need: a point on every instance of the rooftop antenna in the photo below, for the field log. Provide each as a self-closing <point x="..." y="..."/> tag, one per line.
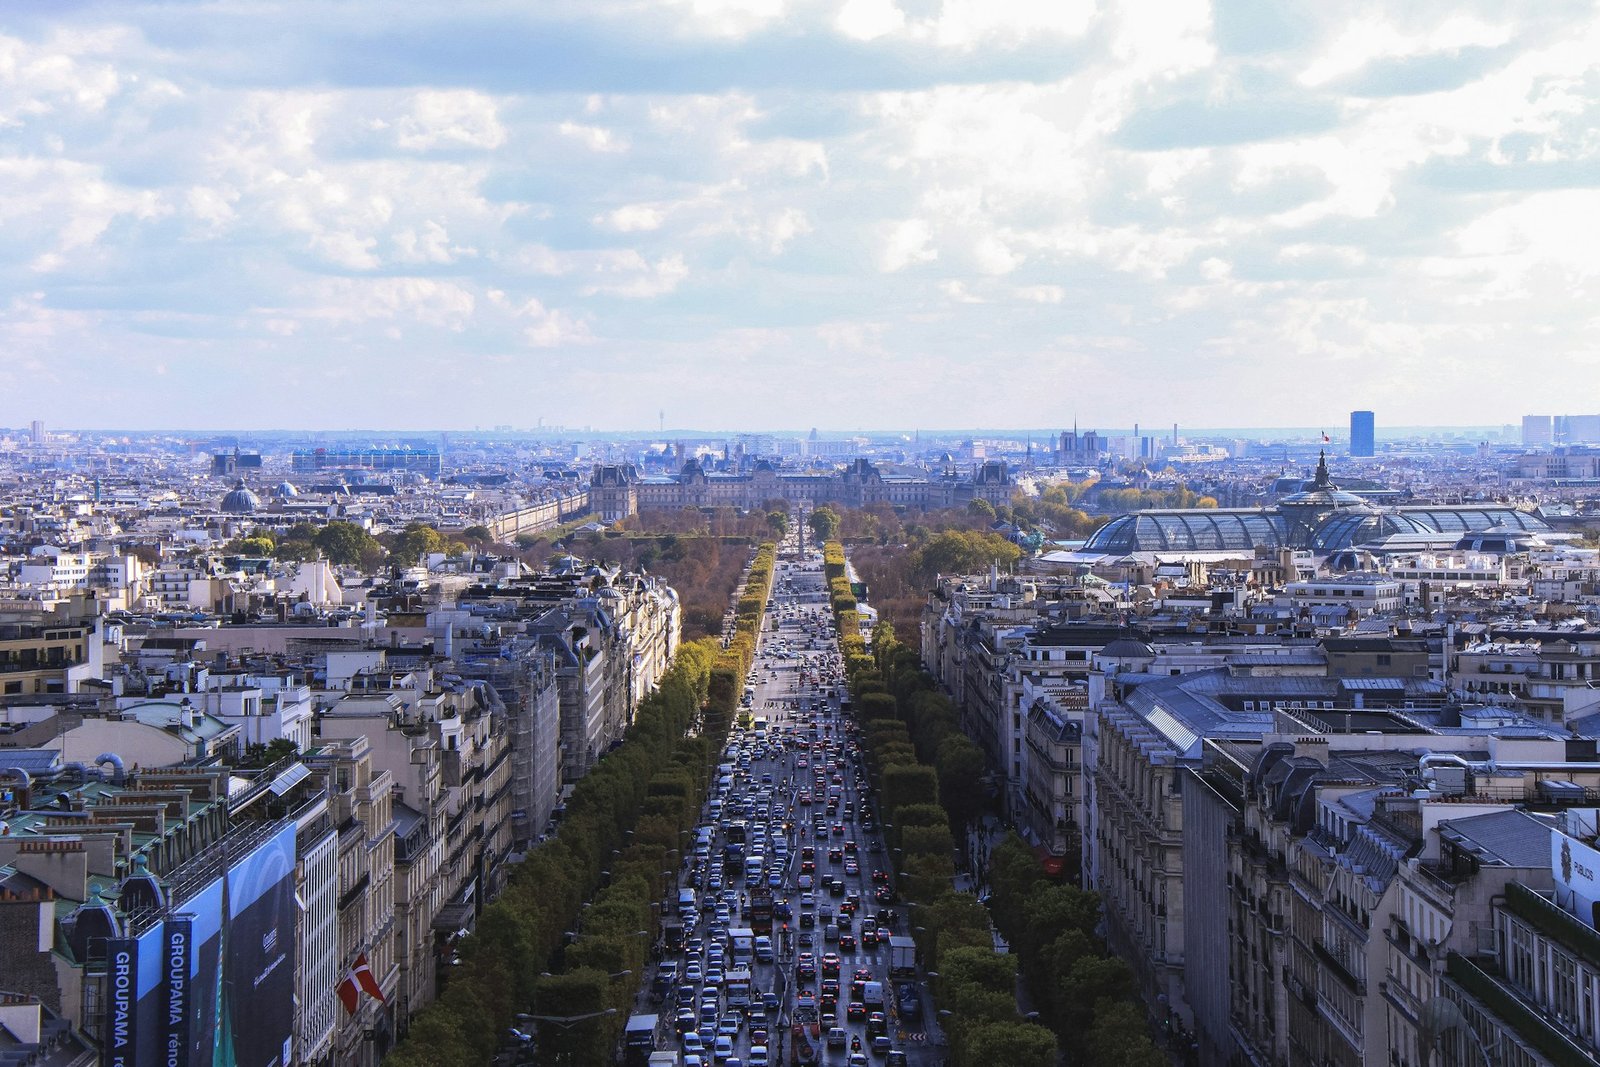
<point x="661" y="418"/>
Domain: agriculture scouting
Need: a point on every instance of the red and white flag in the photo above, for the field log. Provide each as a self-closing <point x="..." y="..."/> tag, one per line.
<point x="357" y="979"/>
<point x="1326" y="439"/>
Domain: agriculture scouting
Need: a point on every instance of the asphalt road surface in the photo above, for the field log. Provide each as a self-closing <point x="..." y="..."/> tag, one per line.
<point x="797" y="761"/>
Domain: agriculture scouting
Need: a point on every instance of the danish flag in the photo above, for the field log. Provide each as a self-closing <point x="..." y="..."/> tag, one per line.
<point x="357" y="979"/>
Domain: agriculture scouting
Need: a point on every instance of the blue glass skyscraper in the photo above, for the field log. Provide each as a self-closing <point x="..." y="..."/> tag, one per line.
<point x="1361" y="433"/>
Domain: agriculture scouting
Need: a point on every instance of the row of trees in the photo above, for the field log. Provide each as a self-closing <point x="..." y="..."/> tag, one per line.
<point x="604" y="965"/>
<point x="345" y="543"/>
<point x="624" y="818"/>
<point x="618" y="847"/>
<point x="975" y="986"/>
<point x="931" y="778"/>
<point x="1081" y="989"/>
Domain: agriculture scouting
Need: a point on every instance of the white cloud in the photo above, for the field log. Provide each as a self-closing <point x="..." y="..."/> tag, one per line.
<point x="458" y="119"/>
<point x="687" y="177"/>
<point x="631" y="218"/>
<point x="907" y="244"/>
<point x="867" y="20"/>
<point x="594" y="138"/>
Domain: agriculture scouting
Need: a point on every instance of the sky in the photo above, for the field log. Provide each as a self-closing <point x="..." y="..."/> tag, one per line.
<point x="840" y="214"/>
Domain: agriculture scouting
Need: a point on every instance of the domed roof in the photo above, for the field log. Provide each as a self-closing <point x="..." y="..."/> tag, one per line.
<point x="1353" y="527"/>
<point x="288" y="489"/>
<point x="240" y="501"/>
<point x="1323" y="493"/>
<point x="90" y="924"/>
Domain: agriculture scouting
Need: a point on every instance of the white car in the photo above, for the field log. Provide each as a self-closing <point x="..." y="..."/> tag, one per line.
<point x="723" y="1049"/>
<point x="758" y="1057"/>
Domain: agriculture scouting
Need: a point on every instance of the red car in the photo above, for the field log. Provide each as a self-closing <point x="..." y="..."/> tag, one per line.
<point x="830" y="965"/>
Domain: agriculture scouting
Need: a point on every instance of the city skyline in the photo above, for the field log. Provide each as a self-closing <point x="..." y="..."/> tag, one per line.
<point x="953" y="213"/>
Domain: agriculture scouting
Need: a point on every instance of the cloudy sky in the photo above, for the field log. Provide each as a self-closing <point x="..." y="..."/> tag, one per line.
<point x="795" y="213"/>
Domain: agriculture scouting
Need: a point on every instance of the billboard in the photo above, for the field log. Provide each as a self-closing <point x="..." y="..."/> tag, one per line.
<point x="1576" y="867"/>
<point x="135" y="999"/>
<point x="211" y="984"/>
<point x="243" y="970"/>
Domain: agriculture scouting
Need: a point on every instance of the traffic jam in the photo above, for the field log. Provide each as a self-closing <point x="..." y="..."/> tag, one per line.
<point x="787" y="946"/>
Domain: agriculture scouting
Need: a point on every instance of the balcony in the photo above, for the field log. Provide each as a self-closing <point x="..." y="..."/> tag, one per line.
<point x="1524" y="1021"/>
<point x="1339" y="971"/>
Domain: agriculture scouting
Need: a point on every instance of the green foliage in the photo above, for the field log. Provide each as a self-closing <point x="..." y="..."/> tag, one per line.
<point x="824" y="523"/>
<point x="1119" y="1037"/>
<point x="964" y="552"/>
<point x="346" y="544"/>
<point x="1012" y="1043"/>
<point x="259" y="543"/>
<point x="416" y="542"/>
<point x="980" y="506"/>
<point x="961" y="768"/>
<point x="477" y="534"/>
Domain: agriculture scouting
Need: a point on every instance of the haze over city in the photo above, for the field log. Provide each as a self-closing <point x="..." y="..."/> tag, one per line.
<point x="250" y="215"/>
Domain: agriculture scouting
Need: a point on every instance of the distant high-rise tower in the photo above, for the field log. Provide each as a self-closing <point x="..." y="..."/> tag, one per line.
<point x="37" y="432"/>
<point x="1361" y="443"/>
<point x="1537" y="430"/>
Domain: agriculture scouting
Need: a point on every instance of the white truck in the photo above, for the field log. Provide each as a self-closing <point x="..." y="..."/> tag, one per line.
<point x="902" y="955"/>
<point x="741" y="945"/>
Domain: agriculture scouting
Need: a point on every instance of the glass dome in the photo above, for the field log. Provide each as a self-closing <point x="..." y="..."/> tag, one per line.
<point x="1199" y="530"/>
<point x="1345" y="529"/>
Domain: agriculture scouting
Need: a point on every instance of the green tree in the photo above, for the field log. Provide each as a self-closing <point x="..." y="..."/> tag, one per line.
<point x="824" y="523"/>
<point x="477" y="535"/>
<point x="259" y="543"/>
<point x="980" y="506"/>
<point x="347" y="544"/>
<point x="778" y="522"/>
<point x="1120" y="1038"/>
<point x="416" y="541"/>
<point x="1016" y="1044"/>
<point x="962" y="769"/>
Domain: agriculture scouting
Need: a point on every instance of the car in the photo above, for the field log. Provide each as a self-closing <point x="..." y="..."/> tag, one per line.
<point x="897" y="1059"/>
<point x="874" y="846"/>
<point x="857" y="1059"/>
<point x="692" y="1043"/>
<point x="847" y="942"/>
<point x="805" y="968"/>
<point x="855" y="1010"/>
<point x="723" y="1049"/>
<point x="838" y="1037"/>
<point x="692" y="972"/>
<point x="877" y="1023"/>
<point x="758" y="1056"/>
<point x="686" y="1021"/>
<point x="881" y="1045"/>
<point x="908" y="1001"/>
<point x="830" y="965"/>
<point x="836" y="855"/>
<point x="805" y="881"/>
<point x="838" y="829"/>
